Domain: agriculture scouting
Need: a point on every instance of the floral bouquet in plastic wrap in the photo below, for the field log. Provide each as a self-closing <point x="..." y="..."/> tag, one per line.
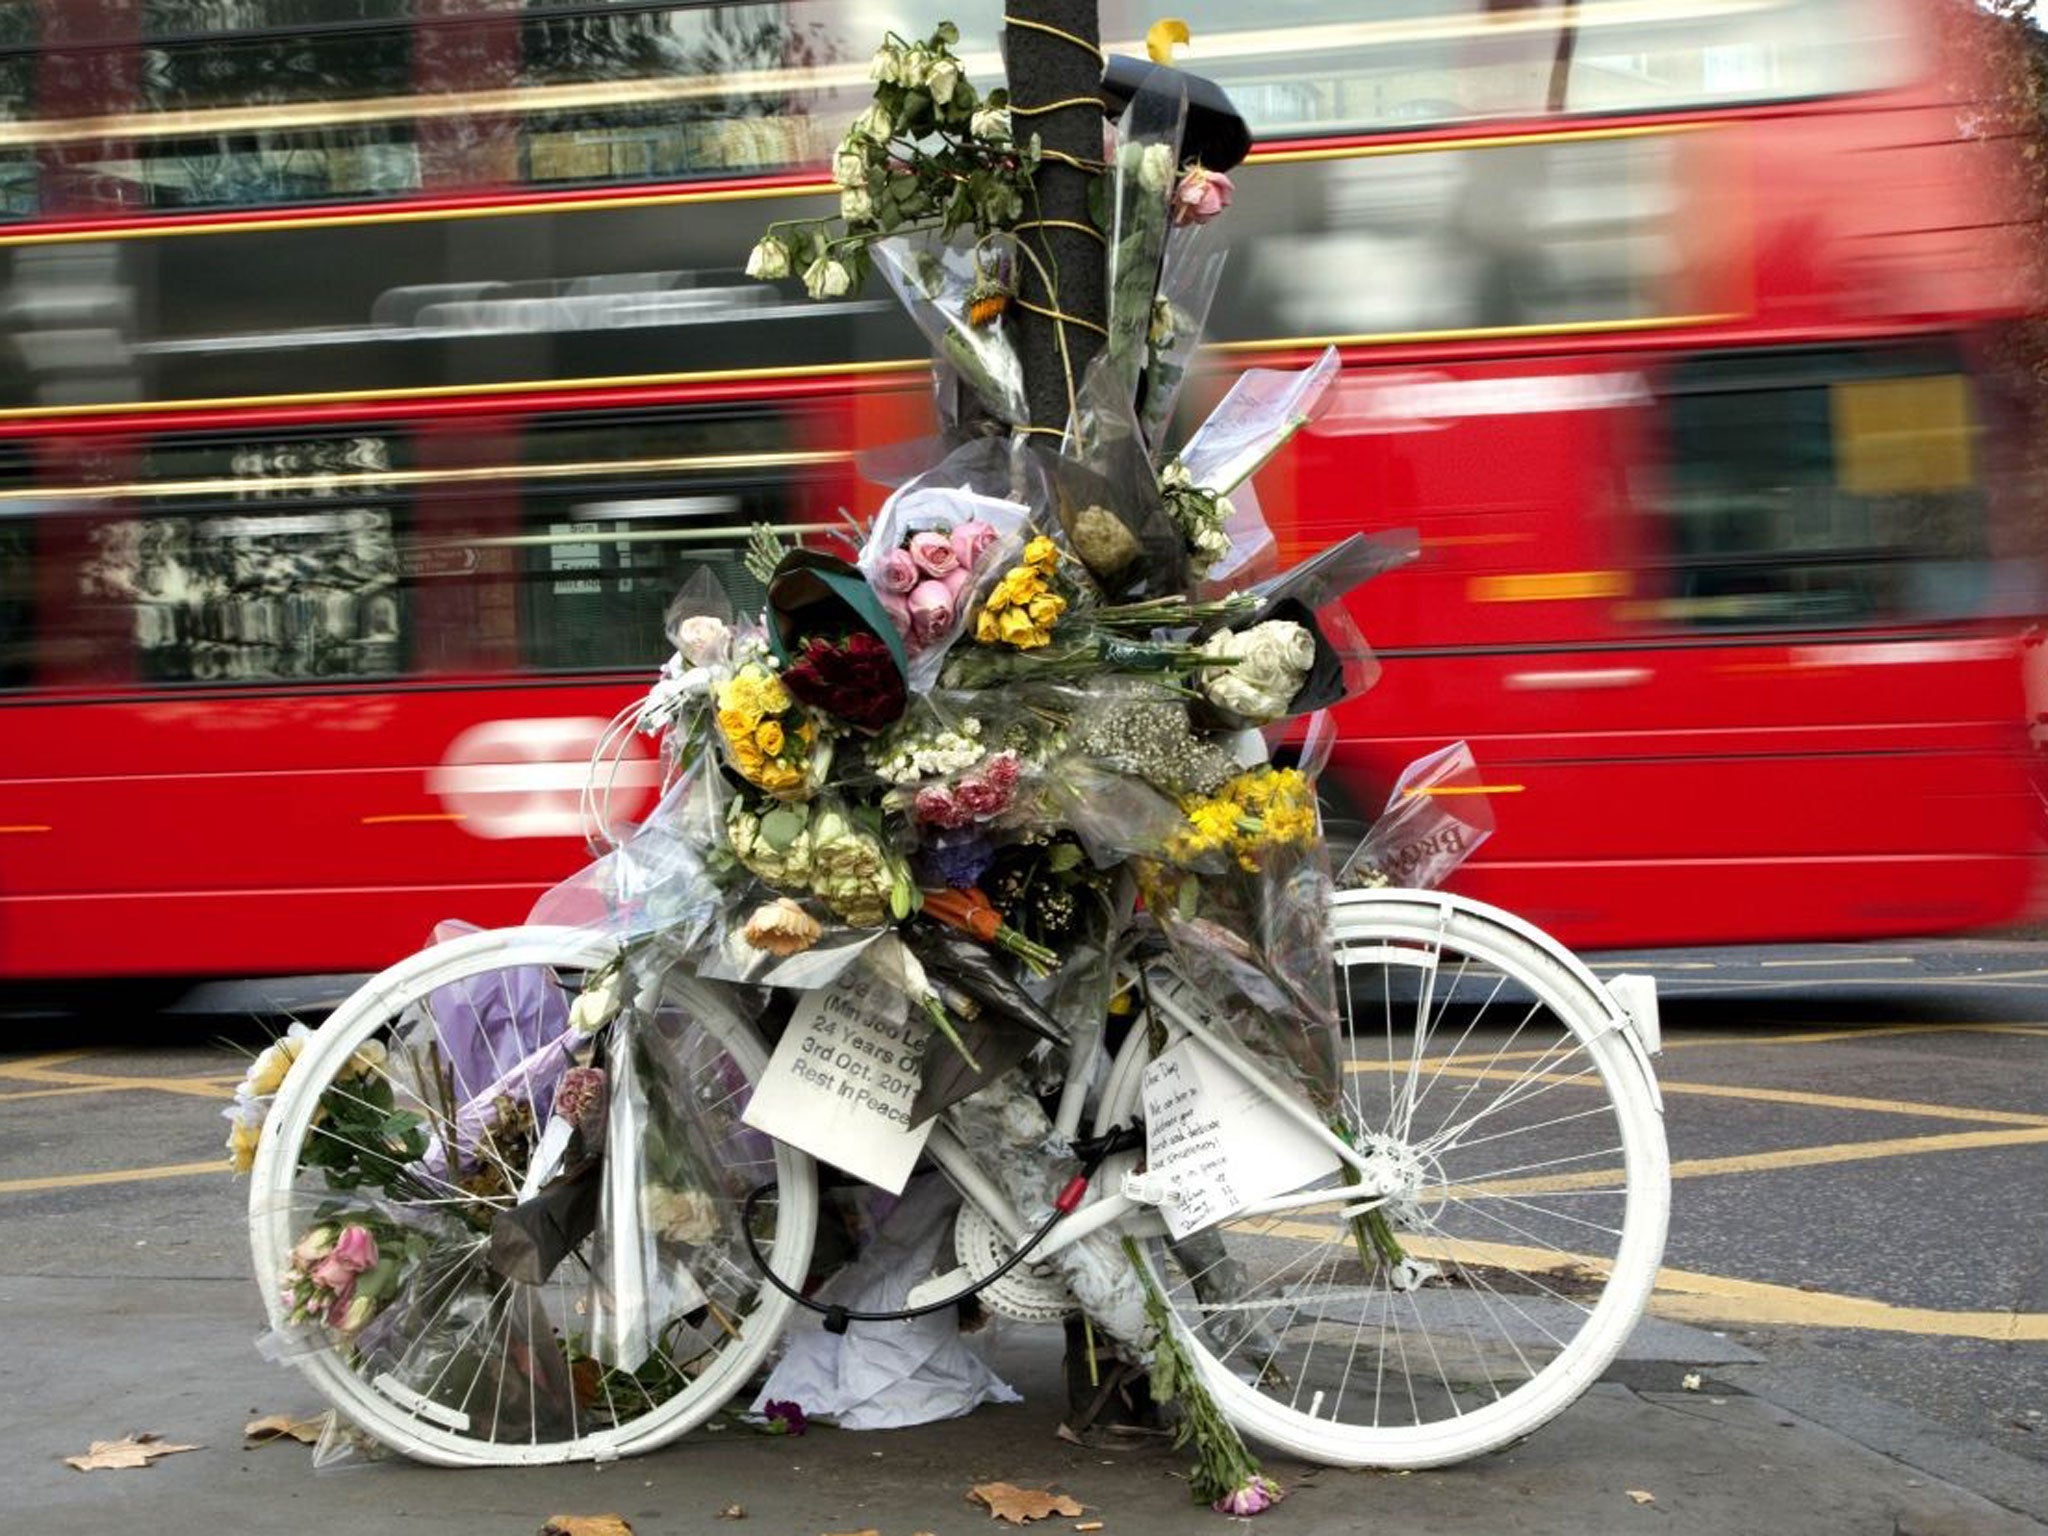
<point x="967" y="759"/>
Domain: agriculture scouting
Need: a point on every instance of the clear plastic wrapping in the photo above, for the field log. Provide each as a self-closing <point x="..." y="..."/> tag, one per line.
<point x="1189" y="275"/>
<point x="1435" y="819"/>
<point x="1264" y="408"/>
<point x="932" y="552"/>
<point x="1141" y="184"/>
<point x="943" y="287"/>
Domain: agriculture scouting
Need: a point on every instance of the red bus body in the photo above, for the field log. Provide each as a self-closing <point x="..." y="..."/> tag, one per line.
<point x="1685" y="742"/>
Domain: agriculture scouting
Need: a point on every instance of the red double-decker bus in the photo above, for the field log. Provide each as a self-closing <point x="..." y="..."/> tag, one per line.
<point x="376" y="369"/>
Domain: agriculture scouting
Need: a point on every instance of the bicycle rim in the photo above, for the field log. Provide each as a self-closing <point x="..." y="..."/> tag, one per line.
<point x="1491" y="1079"/>
<point x="514" y="1332"/>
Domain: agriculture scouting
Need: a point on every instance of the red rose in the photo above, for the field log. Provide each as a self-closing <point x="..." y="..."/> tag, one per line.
<point x="854" y="678"/>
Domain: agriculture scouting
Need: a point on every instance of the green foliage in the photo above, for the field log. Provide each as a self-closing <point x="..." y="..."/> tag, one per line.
<point x="360" y="1136"/>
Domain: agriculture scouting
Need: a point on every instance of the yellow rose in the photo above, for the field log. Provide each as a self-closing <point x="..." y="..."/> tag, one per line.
<point x="1015" y="627"/>
<point x="1042" y="554"/>
<point x="737" y="724"/>
<point x="267" y="1073"/>
<point x="769" y="737"/>
<point x="1045" y="608"/>
<point x="747" y="758"/>
<point x="242" y="1141"/>
<point x="774" y="697"/>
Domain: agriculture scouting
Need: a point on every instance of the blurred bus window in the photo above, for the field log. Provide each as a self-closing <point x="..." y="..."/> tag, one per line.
<point x="1821" y="489"/>
<point x="606" y="552"/>
<point x="1299" y="67"/>
<point x="255" y="562"/>
<point x="247" y="103"/>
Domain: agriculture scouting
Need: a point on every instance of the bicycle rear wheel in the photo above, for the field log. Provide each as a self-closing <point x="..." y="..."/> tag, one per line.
<point x="526" y="1300"/>
<point x="1491" y="1078"/>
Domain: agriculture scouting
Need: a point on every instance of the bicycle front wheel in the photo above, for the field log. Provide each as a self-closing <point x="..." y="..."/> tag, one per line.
<point x="1495" y="1086"/>
<point x="466" y="1281"/>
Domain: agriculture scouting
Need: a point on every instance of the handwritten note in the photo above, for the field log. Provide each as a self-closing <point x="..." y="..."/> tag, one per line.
<point x="1219" y="1141"/>
<point x="842" y="1080"/>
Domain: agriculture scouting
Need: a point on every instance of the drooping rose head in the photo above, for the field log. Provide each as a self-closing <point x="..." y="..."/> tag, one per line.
<point x="933" y="553"/>
<point x="898" y="573"/>
<point x="971" y="540"/>
<point x="931" y="610"/>
<point x="1200" y="196"/>
<point x="332" y="1275"/>
<point x="355" y="1247"/>
<point x="313" y="1247"/>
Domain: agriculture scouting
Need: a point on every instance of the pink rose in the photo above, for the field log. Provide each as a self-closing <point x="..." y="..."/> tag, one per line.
<point x="355" y="1248"/>
<point x="955" y="582"/>
<point x="898" y="573"/>
<point x="330" y="1274"/>
<point x="1200" y="196"/>
<point x="933" y="553"/>
<point x="971" y="541"/>
<point x="931" y="610"/>
<point x="337" y="1309"/>
<point x="898" y="611"/>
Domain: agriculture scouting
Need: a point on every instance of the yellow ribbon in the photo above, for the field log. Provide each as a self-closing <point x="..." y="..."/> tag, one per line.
<point x="1161" y="37"/>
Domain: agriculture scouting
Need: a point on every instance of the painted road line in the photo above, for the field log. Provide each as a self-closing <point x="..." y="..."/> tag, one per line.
<point x="1587" y="1078"/>
<point x="208" y="1087"/>
<point x="1758" y="1162"/>
<point x="113" y="1176"/>
<point x="1859" y="960"/>
<point x="1872" y="1032"/>
<point x="1690" y="1296"/>
<point x="34" y="1064"/>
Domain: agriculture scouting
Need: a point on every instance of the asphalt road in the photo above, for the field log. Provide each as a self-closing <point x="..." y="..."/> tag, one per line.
<point x="1856" y="1138"/>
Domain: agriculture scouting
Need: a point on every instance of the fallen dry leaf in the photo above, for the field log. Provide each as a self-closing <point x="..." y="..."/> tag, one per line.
<point x="1642" y="1495"/>
<point x="133" y="1451"/>
<point x="586" y="1525"/>
<point x="732" y="1512"/>
<point x="869" y="1532"/>
<point x="282" y="1426"/>
<point x="1691" y="1382"/>
<point x="1089" y="1525"/>
<point x="1006" y="1501"/>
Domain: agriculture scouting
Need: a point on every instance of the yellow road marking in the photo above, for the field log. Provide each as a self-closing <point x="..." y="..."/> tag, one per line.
<point x="1691" y="1296"/>
<point x="28" y="1066"/>
<point x="49" y="1093"/>
<point x="196" y="1087"/>
<point x="1909" y="1107"/>
<point x="113" y="1176"/>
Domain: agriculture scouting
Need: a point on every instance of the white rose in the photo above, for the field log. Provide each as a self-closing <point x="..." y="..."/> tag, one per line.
<point x="1272" y="660"/>
<point x="887" y="67"/>
<point x="991" y="123"/>
<point x="944" y="77"/>
<point x="770" y="259"/>
<point x="827" y="279"/>
<point x="849" y="168"/>
<point x="599" y="1003"/>
<point x="874" y="126"/>
<point x="1155" y="167"/>
<point x="701" y="639"/>
<point x="854" y="203"/>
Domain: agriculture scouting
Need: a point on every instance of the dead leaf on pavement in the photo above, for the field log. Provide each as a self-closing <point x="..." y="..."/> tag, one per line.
<point x="1642" y="1495"/>
<point x="732" y="1512"/>
<point x="133" y="1451"/>
<point x="1006" y="1501"/>
<point x="282" y="1426"/>
<point x="586" y="1525"/>
<point x="871" y="1531"/>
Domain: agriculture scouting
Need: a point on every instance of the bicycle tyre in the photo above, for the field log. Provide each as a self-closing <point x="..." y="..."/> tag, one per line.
<point x="1520" y="1318"/>
<point x="565" y="1403"/>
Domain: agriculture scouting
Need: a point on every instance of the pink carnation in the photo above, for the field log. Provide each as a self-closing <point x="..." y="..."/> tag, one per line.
<point x="1001" y="770"/>
<point x="935" y="804"/>
<point x="979" y="798"/>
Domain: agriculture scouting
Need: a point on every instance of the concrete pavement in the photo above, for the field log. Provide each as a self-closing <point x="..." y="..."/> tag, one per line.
<point x="95" y="1357"/>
